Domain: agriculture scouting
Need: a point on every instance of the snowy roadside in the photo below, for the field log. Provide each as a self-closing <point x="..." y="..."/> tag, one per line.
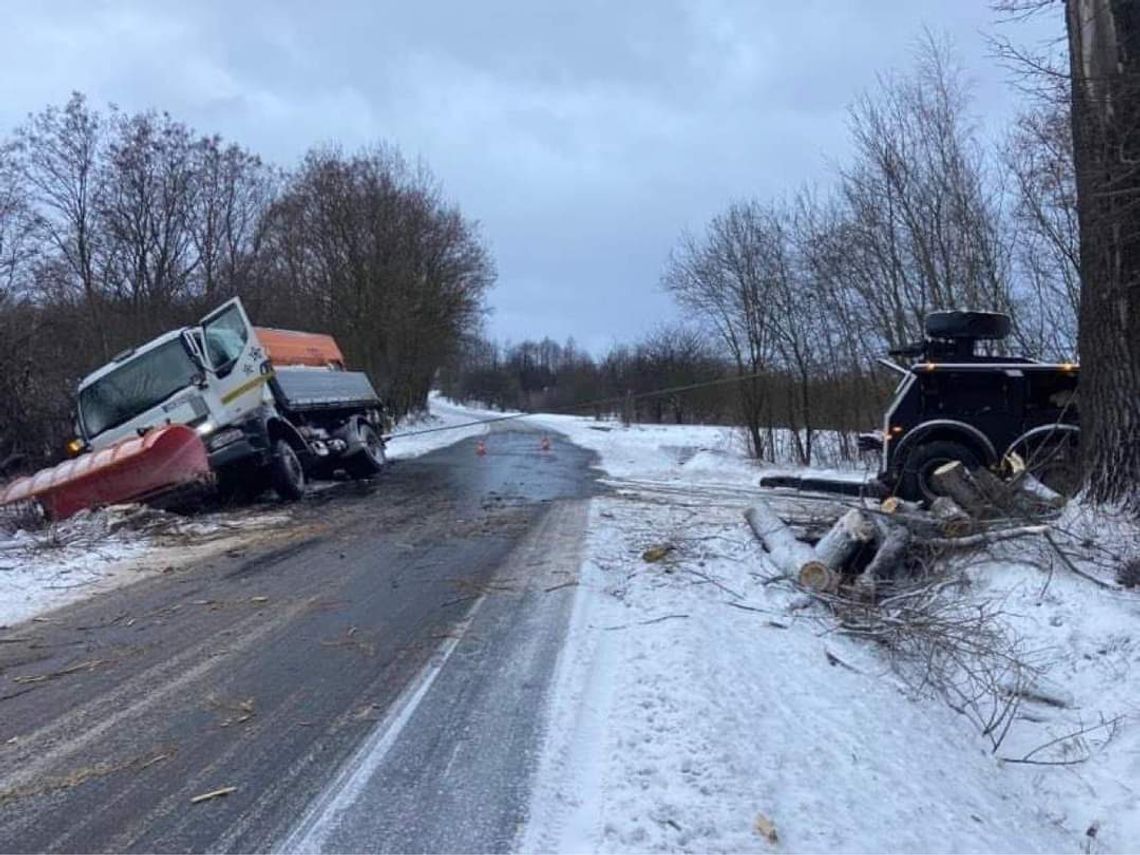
<point x="694" y="704"/>
<point x="95" y="551"/>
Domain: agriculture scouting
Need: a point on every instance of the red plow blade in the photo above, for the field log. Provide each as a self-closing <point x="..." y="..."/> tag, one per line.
<point x="132" y="470"/>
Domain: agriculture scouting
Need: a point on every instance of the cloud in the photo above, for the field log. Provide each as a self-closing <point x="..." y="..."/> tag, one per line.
<point x="585" y="135"/>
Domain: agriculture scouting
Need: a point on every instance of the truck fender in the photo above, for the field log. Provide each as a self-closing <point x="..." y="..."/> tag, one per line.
<point x="278" y="428"/>
<point x="1041" y="433"/>
<point x="350" y="433"/>
<point x="949" y="429"/>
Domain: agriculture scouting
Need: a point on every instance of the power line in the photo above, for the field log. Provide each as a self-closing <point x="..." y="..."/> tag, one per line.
<point x="671" y="390"/>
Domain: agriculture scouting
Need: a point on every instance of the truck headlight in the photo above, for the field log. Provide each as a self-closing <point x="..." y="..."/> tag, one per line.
<point x="223" y="438"/>
<point x="206" y="428"/>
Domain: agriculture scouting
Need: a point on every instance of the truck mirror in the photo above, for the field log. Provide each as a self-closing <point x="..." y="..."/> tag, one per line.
<point x="192" y="344"/>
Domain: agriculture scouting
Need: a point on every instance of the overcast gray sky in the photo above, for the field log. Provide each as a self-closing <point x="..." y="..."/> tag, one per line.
<point x="583" y="135"/>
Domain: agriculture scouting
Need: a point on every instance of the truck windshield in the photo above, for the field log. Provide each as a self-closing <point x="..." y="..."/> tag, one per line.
<point x="143" y="382"/>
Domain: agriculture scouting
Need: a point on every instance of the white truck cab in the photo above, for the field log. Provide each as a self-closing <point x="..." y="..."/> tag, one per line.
<point x="251" y="411"/>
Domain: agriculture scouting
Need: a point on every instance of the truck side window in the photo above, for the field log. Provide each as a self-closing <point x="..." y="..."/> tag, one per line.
<point x="226" y="335"/>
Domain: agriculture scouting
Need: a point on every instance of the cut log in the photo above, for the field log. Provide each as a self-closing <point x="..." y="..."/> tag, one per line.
<point x="835" y="550"/>
<point x="894" y="505"/>
<point x="850" y="531"/>
<point x="957" y="482"/>
<point x="819" y="577"/>
<point x="1038" y="493"/>
<point x="890" y="556"/>
<point x="787" y="553"/>
<point x="996" y="492"/>
<point x="952" y="520"/>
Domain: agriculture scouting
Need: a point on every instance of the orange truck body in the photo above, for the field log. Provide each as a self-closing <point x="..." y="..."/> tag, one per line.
<point x="289" y="347"/>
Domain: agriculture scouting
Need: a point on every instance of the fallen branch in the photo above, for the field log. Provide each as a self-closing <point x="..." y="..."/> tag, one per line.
<point x="1112" y="726"/>
<point x="213" y="794"/>
<point x="1068" y="562"/>
<point x="986" y="538"/>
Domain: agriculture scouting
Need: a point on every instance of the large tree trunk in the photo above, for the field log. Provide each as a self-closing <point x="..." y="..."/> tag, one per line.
<point x="1104" y="43"/>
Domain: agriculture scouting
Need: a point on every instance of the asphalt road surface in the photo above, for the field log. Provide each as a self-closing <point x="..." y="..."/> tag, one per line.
<point x="374" y="681"/>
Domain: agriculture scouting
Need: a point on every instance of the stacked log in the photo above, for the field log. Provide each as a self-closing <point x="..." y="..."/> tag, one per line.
<point x="819" y="568"/>
<point x="973" y="511"/>
<point x="952" y="520"/>
<point x="983" y="494"/>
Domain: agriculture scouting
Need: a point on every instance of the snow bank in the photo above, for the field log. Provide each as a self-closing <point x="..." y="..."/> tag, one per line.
<point x="1083" y="756"/>
<point x="691" y="703"/>
<point x="46" y="569"/>
<point x="95" y="551"/>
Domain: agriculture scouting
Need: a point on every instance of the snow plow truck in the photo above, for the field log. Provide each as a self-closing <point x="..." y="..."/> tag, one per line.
<point x="221" y="405"/>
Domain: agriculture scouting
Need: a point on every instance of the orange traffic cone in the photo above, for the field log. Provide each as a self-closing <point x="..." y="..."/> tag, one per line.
<point x="545" y="444"/>
<point x="481" y="448"/>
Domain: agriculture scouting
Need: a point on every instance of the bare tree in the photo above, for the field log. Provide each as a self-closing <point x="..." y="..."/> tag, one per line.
<point x="366" y="247"/>
<point x="1039" y="157"/>
<point x="923" y="228"/>
<point x="17" y="246"/>
<point x="59" y="153"/>
<point x="146" y="212"/>
<point x="722" y="278"/>
<point x="234" y="190"/>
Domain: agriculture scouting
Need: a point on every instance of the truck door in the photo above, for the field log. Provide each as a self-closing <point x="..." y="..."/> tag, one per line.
<point x="237" y="362"/>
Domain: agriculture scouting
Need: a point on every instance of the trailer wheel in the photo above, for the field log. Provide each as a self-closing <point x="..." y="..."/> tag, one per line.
<point x="1056" y="463"/>
<point x="915" y="483"/>
<point x="286" y="472"/>
<point x="371" y="457"/>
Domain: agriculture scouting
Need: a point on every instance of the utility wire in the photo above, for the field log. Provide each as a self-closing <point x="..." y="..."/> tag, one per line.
<point x="671" y="390"/>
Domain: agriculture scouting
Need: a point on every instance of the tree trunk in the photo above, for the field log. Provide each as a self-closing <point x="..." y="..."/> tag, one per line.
<point x="1104" y="45"/>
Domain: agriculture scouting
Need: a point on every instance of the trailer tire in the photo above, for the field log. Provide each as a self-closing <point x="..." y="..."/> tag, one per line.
<point x="371" y="458"/>
<point x="286" y="472"/>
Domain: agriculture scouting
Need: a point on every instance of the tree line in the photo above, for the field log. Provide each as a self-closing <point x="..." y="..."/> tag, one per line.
<point x="798" y="296"/>
<point x="115" y="227"/>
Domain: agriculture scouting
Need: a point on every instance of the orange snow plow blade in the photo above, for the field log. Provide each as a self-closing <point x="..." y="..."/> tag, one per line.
<point x="135" y="469"/>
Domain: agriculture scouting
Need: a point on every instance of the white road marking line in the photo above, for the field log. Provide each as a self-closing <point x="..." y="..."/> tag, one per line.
<point x="319" y="820"/>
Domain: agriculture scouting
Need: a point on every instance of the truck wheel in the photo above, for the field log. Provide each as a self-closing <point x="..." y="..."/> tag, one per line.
<point x="915" y="483"/>
<point x="286" y="472"/>
<point x="371" y="458"/>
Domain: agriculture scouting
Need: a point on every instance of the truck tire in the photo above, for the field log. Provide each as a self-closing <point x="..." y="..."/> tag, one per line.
<point x="286" y="472"/>
<point x="371" y="458"/>
<point x="955" y="324"/>
<point x="915" y="481"/>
